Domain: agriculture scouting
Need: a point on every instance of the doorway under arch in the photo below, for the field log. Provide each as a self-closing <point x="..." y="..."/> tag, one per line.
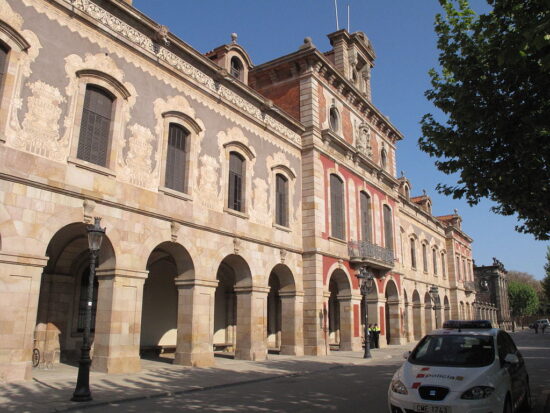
<point x="393" y="315"/>
<point x="417" y="315"/>
<point x="63" y="293"/>
<point x="339" y="314"/>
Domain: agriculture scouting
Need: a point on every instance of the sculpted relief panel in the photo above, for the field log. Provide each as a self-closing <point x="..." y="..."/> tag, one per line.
<point x="40" y="128"/>
<point x="136" y="167"/>
<point x="209" y="177"/>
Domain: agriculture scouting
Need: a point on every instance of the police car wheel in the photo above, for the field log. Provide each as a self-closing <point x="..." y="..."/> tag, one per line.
<point x="526" y="404"/>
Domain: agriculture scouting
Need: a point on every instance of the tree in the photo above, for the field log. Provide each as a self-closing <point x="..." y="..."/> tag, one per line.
<point x="494" y="89"/>
<point x="545" y="283"/>
<point x="528" y="279"/>
<point x="523" y="299"/>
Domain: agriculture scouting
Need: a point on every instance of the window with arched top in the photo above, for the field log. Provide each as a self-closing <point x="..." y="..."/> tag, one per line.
<point x="95" y="127"/>
<point x="443" y="265"/>
<point x="236" y="68"/>
<point x="366" y="220"/>
<point x="4" y="51"/>
<point x="429" y="207"/>
<point x="383" y="158"/>
<point x="334" y="119"/>
<point x="388" y="228"/>
<point x="413" y="253"/>
<point x="434" y="259"/>
<point x="337" y="207"/>
<point x="407" y="192"/>
<point x="281" y="200"/>
<point x="424" y="257"/>
<point x="177" y="158"/>
<point x="236" y="182"/>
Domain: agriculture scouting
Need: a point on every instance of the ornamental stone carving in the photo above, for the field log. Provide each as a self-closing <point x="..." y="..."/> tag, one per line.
<point x="136" y="166"/>
<point x="210" y="197"/>
<point x="142" y="41"/>
<point x="260" y="211"/>
<point x="40" y="129"/>
<point x="363" y="143"/>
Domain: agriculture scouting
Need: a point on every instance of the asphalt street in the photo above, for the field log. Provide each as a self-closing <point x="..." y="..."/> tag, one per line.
<point x="341" y="389"/>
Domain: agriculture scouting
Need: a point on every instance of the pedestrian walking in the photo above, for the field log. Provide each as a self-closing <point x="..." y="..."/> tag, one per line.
<point x="543" y="327"/>
<point x="536" y="327"/>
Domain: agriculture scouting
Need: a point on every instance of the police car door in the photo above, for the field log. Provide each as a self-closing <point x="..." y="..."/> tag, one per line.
<point x="517" y="371"/>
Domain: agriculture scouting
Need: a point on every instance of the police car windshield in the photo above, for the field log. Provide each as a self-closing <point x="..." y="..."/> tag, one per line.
<point x="454" y="350"/>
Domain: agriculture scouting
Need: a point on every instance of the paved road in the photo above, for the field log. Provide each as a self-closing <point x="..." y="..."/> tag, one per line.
<point x="341" y="389"/>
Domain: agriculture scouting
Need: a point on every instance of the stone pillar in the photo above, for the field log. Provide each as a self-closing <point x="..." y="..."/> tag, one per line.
<point x="347" y="340"/>
<point x="409" y="328"/>
<point x="20" y="276"/>
<point x="195" y="322"/>
<point x="118" y="321"/>
<point x="292" y="322"/>
<point x="419" y="322"/>
<point x="251" y="323"/>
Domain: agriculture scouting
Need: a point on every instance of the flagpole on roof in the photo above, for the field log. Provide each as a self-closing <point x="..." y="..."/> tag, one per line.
<point x="336" y="13"/>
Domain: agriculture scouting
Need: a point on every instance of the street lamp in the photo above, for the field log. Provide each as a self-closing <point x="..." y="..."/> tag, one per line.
<point x="434" y="294"/>
<point x="82" y="391"/>
<point x="366" y="279"/>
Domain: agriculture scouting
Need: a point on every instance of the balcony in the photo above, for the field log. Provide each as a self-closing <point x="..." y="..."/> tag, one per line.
<point x="368" y="253"/>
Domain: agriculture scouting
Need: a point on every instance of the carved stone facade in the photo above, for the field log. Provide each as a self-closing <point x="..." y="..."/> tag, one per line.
<point x="187" y="269"/>
<point x="491" y="285"/>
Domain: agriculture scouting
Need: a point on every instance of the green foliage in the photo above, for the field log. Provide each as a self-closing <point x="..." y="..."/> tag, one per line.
<point x="523" y="299"/>
<point x="494" y="88"/>
<point x="546" y="280"/>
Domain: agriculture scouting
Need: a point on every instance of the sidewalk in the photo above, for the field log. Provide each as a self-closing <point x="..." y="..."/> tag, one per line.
<point x="51" y="390"/>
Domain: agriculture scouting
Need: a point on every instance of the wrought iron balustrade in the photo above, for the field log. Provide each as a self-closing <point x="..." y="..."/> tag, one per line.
<point x="367" y="251"/>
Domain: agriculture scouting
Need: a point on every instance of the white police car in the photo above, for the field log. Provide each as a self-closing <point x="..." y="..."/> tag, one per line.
<point x="465" y="367"/>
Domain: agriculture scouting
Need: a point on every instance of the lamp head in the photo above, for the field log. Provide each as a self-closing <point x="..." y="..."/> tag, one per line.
<point x="95" y="235"/>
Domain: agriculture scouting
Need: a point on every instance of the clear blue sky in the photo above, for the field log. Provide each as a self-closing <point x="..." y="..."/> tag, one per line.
<point x="403" y="38"/>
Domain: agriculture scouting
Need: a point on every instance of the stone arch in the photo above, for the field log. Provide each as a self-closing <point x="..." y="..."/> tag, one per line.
<point x="239" y="320"/>
<point x="339" y="293"/>
<point x="392" y="327"/>
<point x="407" y="317"/>
<point x="283" y="312"/>
<point x="447" y="308"/>
<point x="417" y="315"/>
<point x="63" y="292"/>
<point x="167" y="262"/>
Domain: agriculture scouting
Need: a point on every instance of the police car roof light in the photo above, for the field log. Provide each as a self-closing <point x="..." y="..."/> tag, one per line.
<point x="468" y="324"/>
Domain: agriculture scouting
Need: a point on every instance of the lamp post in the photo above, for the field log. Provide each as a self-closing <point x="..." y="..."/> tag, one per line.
<point x="82" y="391"/>
<point x="434" y="294"/>
<point x="366" y="278"/>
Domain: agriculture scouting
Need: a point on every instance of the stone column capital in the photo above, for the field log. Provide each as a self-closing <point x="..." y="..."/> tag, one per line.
<point x="112" y="273"/>
<point x="252" y="289"/>
<point x="290" y="294"/>
<point x="197" y="282"/>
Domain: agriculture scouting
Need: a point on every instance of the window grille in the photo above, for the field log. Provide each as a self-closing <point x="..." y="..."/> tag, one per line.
<point x="236" y="68"/>
<point x="281" y="207"/>
<point x="236" y="174"/>
<point x="95" y="128"/>
<point x="337" y="206"/>
<point x="388" y="228"/>
<point x="366" y="225"/>
<point x="176" y="158"/>
<point x="4" y="50"/>
<point x="413" y="254"/>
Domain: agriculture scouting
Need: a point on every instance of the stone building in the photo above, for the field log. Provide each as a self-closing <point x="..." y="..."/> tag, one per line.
<point x="492" y="301"/>
<point x="240" y="201"/>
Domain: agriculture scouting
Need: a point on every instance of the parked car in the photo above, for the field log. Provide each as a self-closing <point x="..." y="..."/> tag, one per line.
<point x="467" y="366"/>
<point x="540" y="323"/>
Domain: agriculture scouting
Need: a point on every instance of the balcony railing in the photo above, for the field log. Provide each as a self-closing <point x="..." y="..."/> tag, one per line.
<point x="365" y="251"/>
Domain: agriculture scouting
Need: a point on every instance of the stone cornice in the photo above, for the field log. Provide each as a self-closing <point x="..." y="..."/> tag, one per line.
<point x="217" y="81"/>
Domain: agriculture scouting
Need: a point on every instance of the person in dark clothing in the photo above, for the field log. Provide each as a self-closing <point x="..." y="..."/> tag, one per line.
<point x="536" y="327"/>
<point x="376" y="336"/>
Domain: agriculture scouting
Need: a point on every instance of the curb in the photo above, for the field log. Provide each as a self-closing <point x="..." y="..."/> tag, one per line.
<point x="193" y="390"/>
